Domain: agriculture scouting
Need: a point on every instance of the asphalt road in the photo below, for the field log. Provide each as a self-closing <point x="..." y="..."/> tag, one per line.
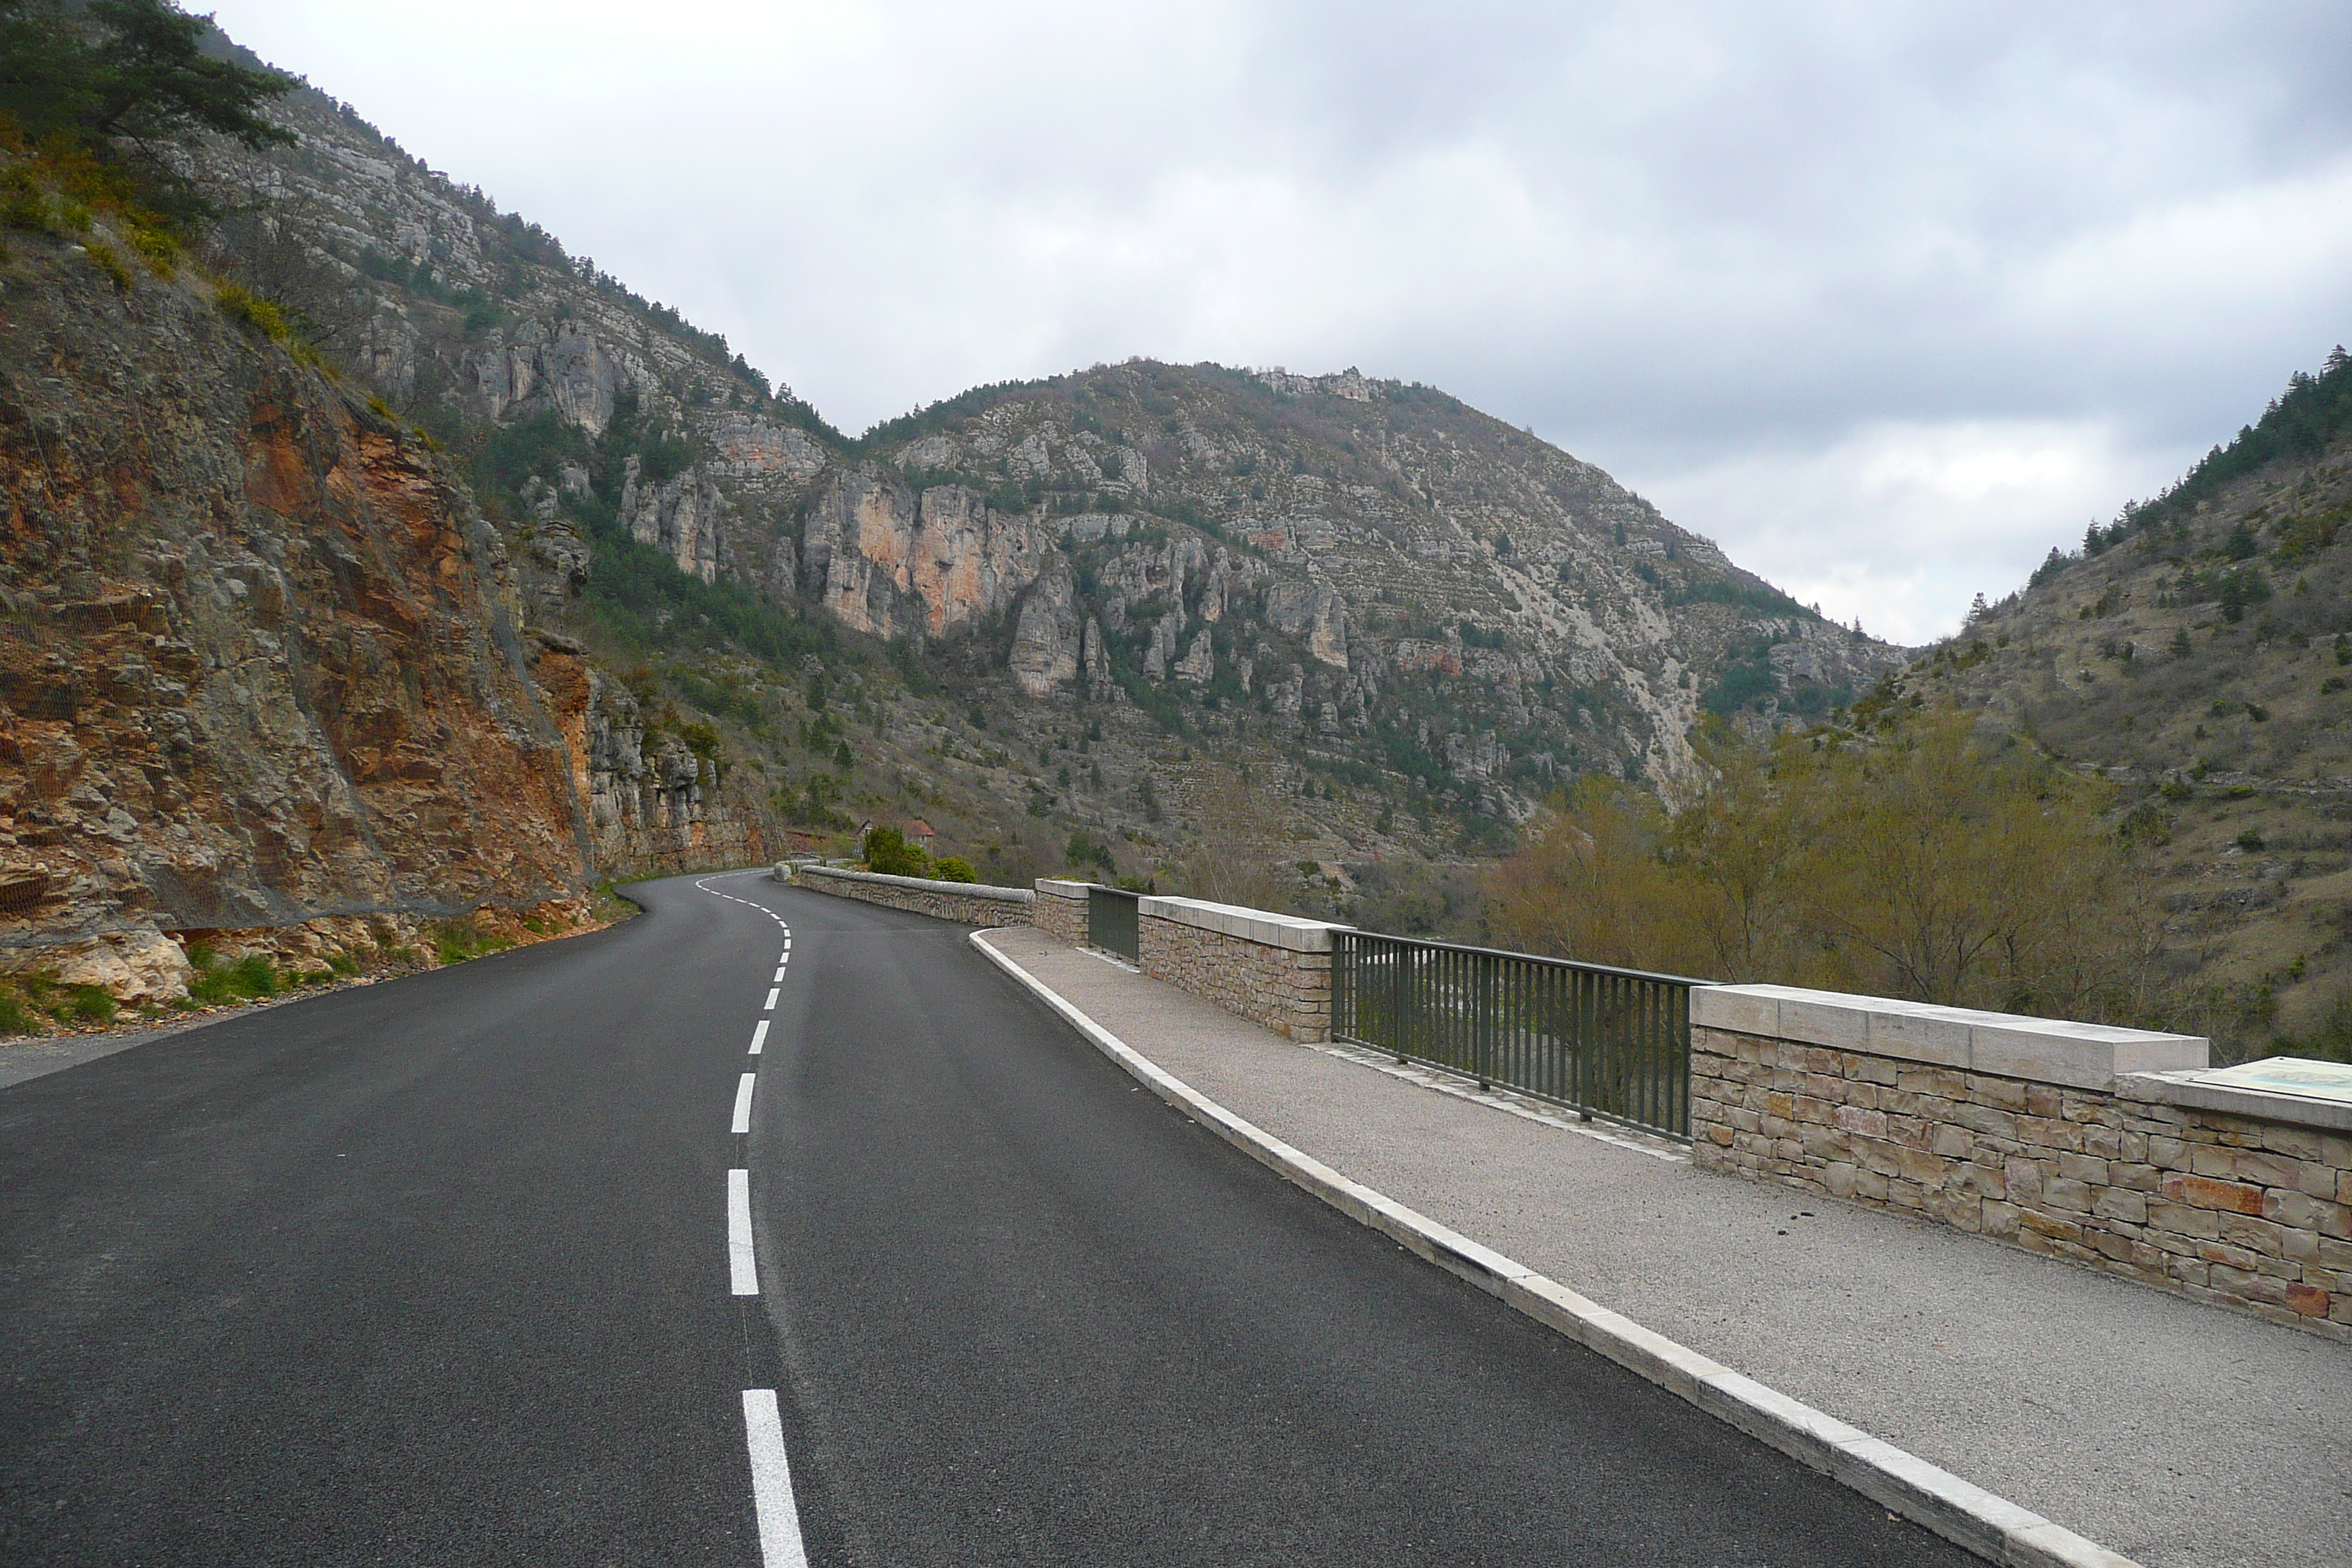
<point x="440" y="1271"/>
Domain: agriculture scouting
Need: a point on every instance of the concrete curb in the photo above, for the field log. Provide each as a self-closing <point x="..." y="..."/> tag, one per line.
<point x="1969" y="1517"/>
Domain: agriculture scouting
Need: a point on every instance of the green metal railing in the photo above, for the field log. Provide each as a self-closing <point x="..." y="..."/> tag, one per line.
<point x="1612" y="1043"/>
<point x="1111" y="921"/>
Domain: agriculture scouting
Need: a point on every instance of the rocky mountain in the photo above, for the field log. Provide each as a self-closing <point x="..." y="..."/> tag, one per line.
<point x="384" y="558"/>
<point x="1376" y="569"/>
<point x="2198" y="652"/>
<point x="1373" y="567"/>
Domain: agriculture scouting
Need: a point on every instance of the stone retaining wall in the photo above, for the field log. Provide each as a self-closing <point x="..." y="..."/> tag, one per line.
<point x="2108" y="1147"/>
<point x="967" y="903"/>
<point x="1273" y="969"/>
<point x="1060" y="910"/>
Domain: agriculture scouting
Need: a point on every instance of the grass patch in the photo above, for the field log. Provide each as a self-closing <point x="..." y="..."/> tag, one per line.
<point x="465" y="937"/>
<point x="103" y="257"/>
<point x="252" y="311"/>
<point x="87" y="1004"/>
<point x="16" y="1019"/>
<point x="607" y="903"/>
<point x="29" y="999"/>
<point x="215" y="983"/>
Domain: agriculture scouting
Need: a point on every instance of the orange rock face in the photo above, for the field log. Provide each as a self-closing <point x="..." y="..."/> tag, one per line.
<point x="261" y="659"/>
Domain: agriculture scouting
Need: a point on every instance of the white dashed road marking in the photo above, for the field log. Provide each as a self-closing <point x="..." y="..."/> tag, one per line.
<point x="764" y="1428"/>
<point x="771" y="1482"/>
<point x="741" y="1274"/>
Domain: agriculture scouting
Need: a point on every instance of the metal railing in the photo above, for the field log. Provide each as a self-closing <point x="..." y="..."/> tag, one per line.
<point x="1612" y="1043"/>
<point x="1112" y="921"/>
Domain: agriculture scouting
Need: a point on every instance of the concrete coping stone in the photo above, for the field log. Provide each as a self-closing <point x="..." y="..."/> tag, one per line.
<point x="2007" y="1044"/>
<point x="1294" y="933"/>
<point x="2295" y="1089"/>
<point x="925" y="885"/>
<point x="1057" y="887"/>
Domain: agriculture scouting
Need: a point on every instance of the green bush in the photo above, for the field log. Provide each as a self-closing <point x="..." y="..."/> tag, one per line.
<point x="16" y="1019"/>
<point x="889" y="853"/>
<point x="158" y="247"/>
<point x="23" y="204"/>
<point x="1083" y="852"/>
<point x="955" y="869"/>
<point x="465" y="938"/>
<point x="250" y="309"/>
<point x="215" y="984"/>
<point x="90" y="1005"/>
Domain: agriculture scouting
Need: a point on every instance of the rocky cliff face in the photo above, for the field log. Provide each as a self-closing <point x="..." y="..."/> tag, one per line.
<point x="262" y="659"/>
<point x="650" y="803"/>
<point x="1373" y="564"/>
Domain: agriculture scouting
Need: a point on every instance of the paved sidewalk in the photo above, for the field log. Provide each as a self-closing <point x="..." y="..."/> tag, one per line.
<point x="2174" y="1433"/>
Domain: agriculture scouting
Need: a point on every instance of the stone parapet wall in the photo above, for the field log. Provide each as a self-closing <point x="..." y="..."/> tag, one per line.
<point x="2249" y="1208"/>
<point x="1273" y="969"/>
<point x="1060" y="910"/>
<point x="966" y="903"/>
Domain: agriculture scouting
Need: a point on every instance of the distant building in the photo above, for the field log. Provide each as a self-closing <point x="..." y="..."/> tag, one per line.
<point x="918" y="833"/>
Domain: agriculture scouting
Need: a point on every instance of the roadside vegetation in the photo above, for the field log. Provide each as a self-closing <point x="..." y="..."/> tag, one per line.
<point x="1919" y="857"/>
<point x="889" y="852"/>
<point x="38" y="1002"/>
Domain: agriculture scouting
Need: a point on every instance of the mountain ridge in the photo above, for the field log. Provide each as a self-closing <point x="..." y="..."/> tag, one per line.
<point x="482" y="323"/>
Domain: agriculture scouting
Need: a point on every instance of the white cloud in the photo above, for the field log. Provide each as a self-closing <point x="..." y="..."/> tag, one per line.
<point x="1900" y="525"/>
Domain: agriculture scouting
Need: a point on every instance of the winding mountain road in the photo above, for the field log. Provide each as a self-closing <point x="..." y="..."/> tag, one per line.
<point x="767" y="1228"/>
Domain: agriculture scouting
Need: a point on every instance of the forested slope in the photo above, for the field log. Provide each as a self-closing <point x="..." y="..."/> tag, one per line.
<point x="2198" y="652"/>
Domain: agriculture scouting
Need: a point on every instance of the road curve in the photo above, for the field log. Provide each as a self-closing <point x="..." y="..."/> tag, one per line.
<point x="454" y="1270"/>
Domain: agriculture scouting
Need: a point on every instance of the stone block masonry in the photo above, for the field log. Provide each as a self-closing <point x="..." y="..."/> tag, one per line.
<point x="967" y="903"/>
<point x="1273" y="969"/>
<point x="1060" y="910"/>
<point x="2112" y="1148"/>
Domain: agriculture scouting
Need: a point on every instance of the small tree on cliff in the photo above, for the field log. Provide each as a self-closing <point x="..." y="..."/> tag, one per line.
<point x="118" y="82"/>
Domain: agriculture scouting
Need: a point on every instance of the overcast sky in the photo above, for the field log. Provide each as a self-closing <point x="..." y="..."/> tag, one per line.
<point x="1886" y="299"/>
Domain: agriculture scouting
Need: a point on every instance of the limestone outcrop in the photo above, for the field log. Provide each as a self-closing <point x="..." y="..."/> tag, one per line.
<point x="889" y="560"/>
<point x="1045" y="640"/>
<point x="684" y="517"/>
